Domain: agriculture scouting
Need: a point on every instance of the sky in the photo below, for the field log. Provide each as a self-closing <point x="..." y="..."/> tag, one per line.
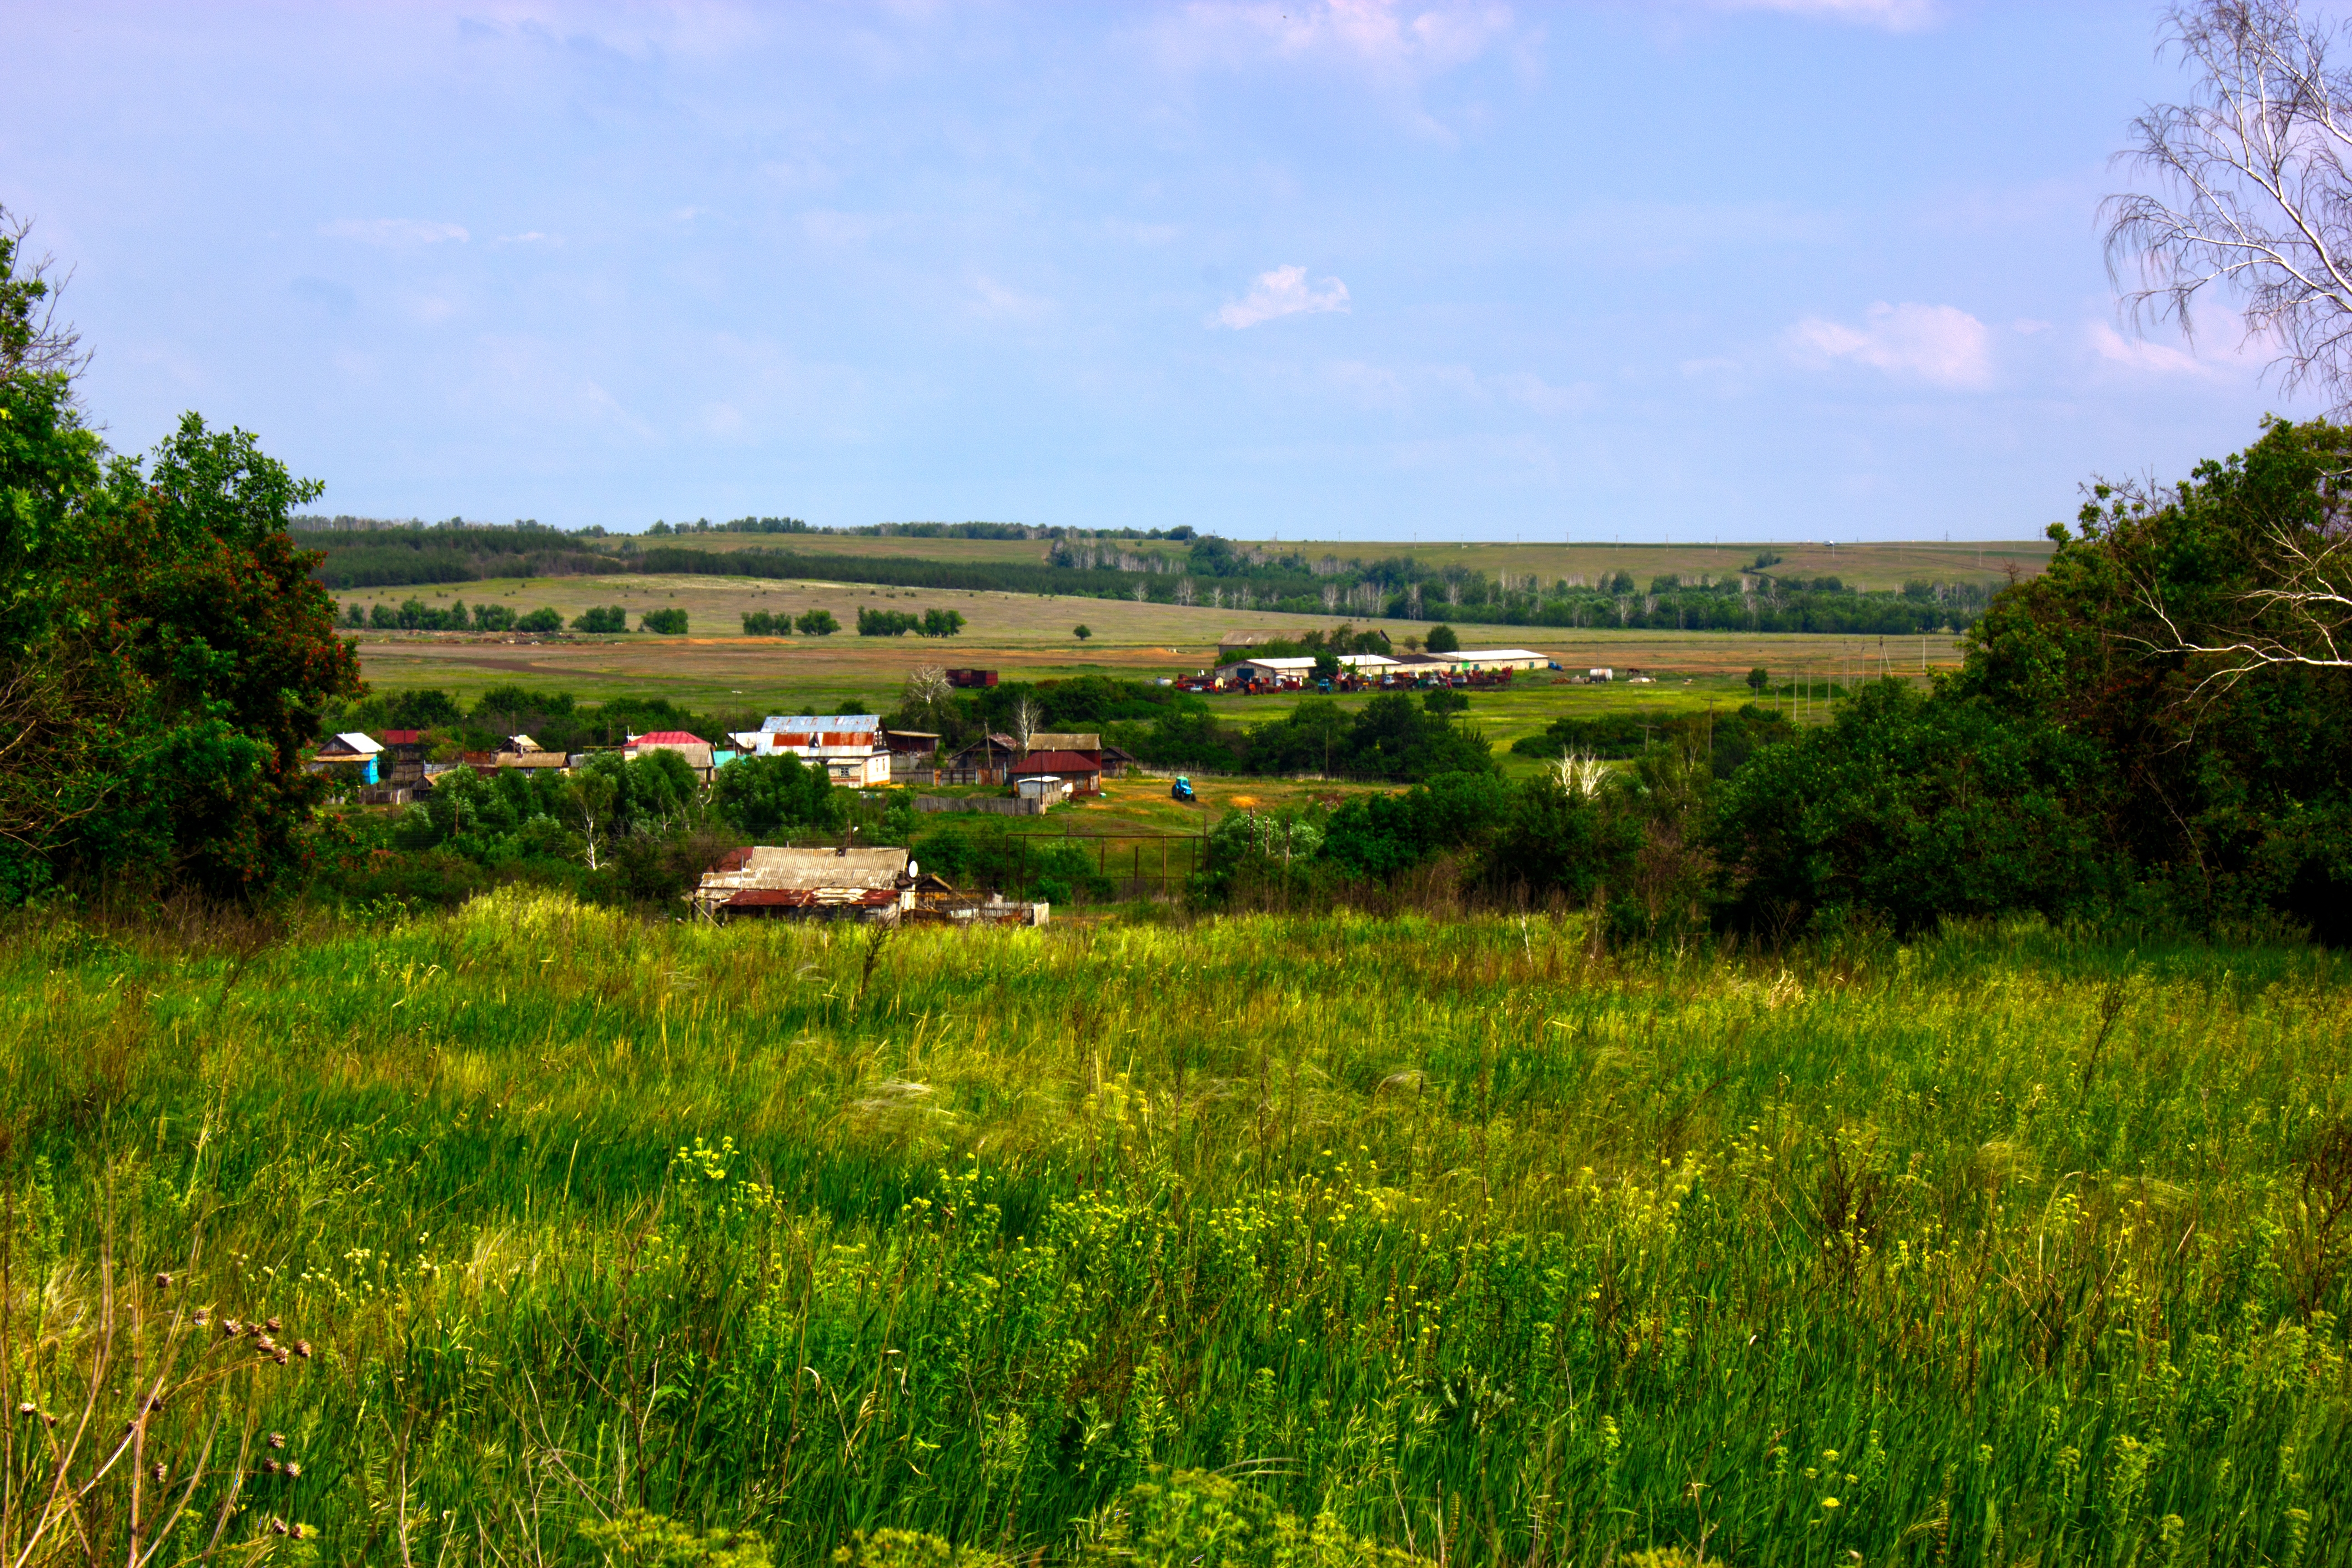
<point x="1737" y="269"/>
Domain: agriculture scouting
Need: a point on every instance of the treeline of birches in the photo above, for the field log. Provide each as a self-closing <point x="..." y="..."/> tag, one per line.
<point x="1222" y="574"/>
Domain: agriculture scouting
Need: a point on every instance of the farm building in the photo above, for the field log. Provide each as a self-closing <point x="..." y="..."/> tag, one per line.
<point x="351" y="753"/>
<point x="685" y="743"/>
<point x="1266" y="671"/>
<point x="870" y="886"/>
<point x="1086" y="743"/>
<point x="909" y="750"/>
<point x="850" y="747"/>
<point x="1047" y="788"/>
<point x="1499" y="658"/>
<point x="403" y="756"/>
<point x="985" y="762"/>
<point x="522" y="752"/>
<point x="1081" y="773"/>
<point x="972" y="679"/>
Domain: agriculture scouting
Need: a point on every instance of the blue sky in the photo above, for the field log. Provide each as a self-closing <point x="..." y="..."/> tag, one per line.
<point x="1316" y="268"/>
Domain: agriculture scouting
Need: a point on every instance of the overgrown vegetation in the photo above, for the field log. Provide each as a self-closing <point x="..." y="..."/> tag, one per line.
<point x="1467" y="1239"/>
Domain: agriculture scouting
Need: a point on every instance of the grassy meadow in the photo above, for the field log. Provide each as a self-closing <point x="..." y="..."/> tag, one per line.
<point x="1465" y="1240"/>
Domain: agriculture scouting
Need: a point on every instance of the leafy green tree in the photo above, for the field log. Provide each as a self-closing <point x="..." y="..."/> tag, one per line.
<point x="1911" y="808"/>
<point x="384" y="618"/>
<point x="601" y="620"/>
<point x="765" y="796"/>
<point x="877" y="622"/>
<point x="1391" y="737"/>
<point x="669" y="623"/>
<point x="1442" y="638"/>
<point x="2228" y="787"/>
<point x="541" y="620"/>
<point x="941" y="624"/>
<point x="1082" y="631"/>
<point x="1445" y="702"/>
<point x="170" y="651"/>
<point x="1758" y="679"/>
<point x="493" y="618"/>
<point x="764" y="624"/>
<point x="817" y="623"/>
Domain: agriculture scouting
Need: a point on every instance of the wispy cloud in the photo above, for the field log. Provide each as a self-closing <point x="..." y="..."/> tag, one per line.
<point x="393" y="231"/>
<point x="1283" y="292"/>
<point x="1940" y="344"/>
<point x="2138" y="353"/>
<point x="1895" y="16"/>
<point x="1384" y="36"/>
<point x="993" y="299"/>
<point x="532" y="237"/>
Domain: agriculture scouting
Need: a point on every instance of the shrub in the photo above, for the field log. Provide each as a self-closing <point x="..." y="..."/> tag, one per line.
<point x="817" y="623"/>
<point x="668" y="622"/>
<point x="541" y="620"/>
<point x="602" y="619"/>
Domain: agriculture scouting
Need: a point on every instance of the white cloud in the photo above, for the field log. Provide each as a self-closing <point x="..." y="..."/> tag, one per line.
<point x="1940" y="344"/>
<point x="2029" y="325"/>
<point x="1533" y="392"/>
<point x="2138" y="353"/>
<point x="829" y="228"/>
<point x="1895" y="16"/>
<point x="1390" y="37"/>
<point x="533" y="238"/>
<point x="393" y="231"/>
<point x="1373" y="385"/>
<point x="1283" y="292"/>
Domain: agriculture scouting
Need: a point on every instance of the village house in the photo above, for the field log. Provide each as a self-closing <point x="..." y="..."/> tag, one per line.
<point x="869" y="886"/>
<point x="850" y="747"/>
<point x="352" y="754"/>
<point x="688" y="745"/>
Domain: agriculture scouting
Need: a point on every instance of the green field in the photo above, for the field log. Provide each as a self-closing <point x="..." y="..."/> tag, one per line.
<point x="2008" y="1246"/>
<point x="1028" y="637"/>
<point x="1873" y="565"/>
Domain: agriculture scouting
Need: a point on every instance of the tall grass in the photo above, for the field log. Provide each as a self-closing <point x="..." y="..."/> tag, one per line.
<point x="2007" y="1246"/>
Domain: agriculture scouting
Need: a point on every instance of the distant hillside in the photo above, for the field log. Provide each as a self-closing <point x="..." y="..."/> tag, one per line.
<point x="362" y="552"/>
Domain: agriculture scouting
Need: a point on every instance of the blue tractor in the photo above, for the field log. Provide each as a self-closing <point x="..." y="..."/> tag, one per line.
<point x="1181" y="791"/>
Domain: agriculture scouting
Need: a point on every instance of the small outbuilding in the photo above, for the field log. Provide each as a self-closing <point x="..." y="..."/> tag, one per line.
<point x="1081" y="773"/>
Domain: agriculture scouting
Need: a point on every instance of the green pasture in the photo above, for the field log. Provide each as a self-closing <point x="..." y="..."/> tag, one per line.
<point x="2013" y="1245"/>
